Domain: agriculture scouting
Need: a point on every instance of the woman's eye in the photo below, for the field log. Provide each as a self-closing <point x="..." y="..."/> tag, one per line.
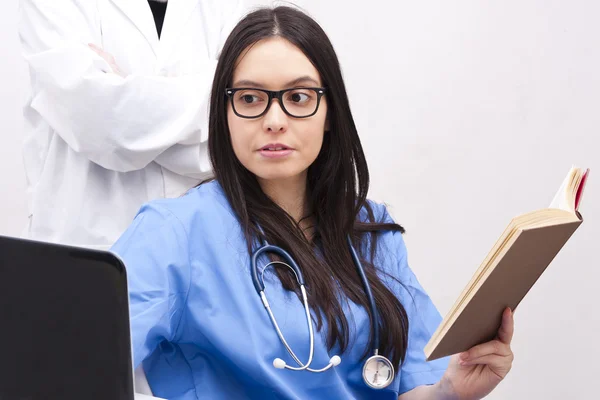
<point x="299" y="97"/>
<point x="249" y="99"/>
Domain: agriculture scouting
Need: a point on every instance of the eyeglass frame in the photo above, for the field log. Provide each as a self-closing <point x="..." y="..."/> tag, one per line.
<point x="276" y="94"/>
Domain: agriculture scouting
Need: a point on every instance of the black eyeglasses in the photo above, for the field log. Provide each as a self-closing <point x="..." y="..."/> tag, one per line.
<point x="296" y="102"/>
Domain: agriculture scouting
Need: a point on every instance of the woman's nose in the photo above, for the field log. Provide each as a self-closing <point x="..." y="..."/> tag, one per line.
<point x="275" y="120"/>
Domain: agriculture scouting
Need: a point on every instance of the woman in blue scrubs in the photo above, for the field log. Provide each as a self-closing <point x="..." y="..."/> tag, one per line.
<point x="289" y="169"/>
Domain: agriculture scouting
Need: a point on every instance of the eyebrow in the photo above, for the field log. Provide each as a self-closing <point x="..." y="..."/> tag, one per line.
<point x="246" y="82"/>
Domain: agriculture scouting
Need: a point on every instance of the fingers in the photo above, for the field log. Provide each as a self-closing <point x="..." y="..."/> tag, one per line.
<point x="98" y="51"/>
<point x="492" y="347"/>
<point x="505" y="333"/>
<point x="499" y="346"/>
<point x="109" y="58"/>
<point x="491" y="360"/>
<point x="495" y="354"/>
<point x="499" y="365"/>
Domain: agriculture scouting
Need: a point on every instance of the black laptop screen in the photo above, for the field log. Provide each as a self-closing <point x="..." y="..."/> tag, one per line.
<point x="65" y="324"/>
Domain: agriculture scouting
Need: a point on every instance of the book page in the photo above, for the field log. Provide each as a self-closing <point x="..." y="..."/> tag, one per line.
<point x="560" y="198"/>
<point x="569" y="194"/>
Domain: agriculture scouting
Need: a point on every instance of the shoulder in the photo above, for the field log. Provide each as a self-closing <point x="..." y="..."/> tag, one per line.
<point x="203" y="202"/>
<point x="379" y="212"/>
<point x="202" y="209"/>
<point x="390" y="248"/>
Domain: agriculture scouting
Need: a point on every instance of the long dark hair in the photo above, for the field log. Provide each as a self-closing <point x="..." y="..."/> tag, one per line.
<point x="338" y="182"/>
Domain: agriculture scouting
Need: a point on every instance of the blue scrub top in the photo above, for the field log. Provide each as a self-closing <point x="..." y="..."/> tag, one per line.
<point x="201" y="330"/>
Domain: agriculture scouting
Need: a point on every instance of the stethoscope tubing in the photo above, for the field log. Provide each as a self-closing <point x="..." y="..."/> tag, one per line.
<point x="289" y="261"/>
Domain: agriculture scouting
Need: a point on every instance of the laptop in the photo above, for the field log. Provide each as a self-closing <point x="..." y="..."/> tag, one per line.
<point x="65" y="323"/>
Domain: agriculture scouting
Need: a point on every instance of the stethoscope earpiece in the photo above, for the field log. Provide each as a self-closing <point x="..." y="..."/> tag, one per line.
<point x="335" y="361"/>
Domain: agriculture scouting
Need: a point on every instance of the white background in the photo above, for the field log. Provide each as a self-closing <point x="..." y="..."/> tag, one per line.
<point x="470" y="112"/>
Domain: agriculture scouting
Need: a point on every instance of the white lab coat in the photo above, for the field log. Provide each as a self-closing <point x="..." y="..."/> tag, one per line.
<point x="97" y="145"/>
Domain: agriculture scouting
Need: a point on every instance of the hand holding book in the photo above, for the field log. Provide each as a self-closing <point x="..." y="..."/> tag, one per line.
<point x="513" y="265"/>
<point x="475" y="373"/>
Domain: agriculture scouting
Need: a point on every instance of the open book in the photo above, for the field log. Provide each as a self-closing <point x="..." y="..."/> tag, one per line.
<point x="514" y="264"/>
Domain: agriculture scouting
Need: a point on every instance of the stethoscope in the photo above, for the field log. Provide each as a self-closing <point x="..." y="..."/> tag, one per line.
<point x="378" y="371"/>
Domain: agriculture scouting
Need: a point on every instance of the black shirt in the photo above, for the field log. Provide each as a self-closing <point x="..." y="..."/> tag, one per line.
<point x="159" y="10"/>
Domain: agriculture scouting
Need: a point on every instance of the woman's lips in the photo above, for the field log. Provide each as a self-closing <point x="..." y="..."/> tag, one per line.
<point x="275" y="150"/>
<point x="279" y="153"/>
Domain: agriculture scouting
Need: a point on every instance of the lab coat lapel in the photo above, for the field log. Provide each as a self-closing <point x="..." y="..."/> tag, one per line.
<point x="178" y="12"/>
<point x="139" y="12"/>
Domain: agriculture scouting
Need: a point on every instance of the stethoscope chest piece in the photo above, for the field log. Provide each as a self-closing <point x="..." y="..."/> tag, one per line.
<point x="378" y="372"/>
